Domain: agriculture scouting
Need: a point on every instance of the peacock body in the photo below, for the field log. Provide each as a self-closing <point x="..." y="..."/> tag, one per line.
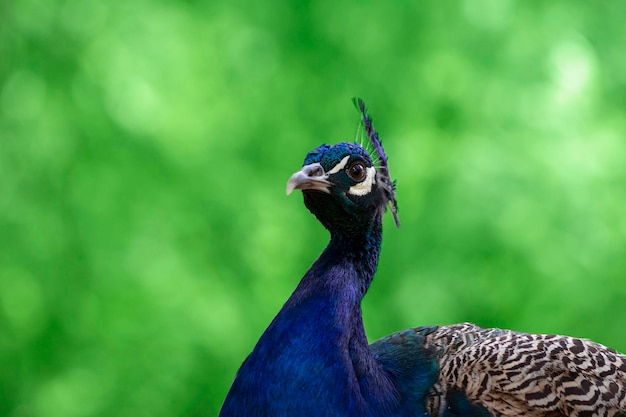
<point x="314" y="358"/>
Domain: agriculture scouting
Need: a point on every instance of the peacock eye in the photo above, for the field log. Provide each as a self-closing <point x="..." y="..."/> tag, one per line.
<point x="357" y="171"/>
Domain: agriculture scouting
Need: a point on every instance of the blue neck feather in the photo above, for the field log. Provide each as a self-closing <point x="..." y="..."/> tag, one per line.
<point x="314" y="358"/>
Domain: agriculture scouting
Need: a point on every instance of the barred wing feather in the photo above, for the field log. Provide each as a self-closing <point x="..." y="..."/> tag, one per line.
<point x="520" y="374"/>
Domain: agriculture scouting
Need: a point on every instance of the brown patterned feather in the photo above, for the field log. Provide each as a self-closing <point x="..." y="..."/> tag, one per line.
<point x="519" y="374"/>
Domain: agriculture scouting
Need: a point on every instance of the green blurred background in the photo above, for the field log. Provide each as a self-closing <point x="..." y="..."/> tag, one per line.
<point x="145" y="237"/>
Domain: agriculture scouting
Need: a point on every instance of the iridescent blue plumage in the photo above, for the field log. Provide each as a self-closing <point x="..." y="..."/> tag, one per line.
<point x="329" y="156"/>
<point x="314" y="358"/>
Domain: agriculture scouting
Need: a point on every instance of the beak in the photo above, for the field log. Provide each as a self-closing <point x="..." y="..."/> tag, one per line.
<point x="310" y="177"/>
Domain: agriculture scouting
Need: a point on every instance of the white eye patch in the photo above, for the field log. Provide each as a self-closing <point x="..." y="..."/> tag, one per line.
<point x="341" y="165"/>
<point x="362" y="188"/>
<point x="365" y="186"/>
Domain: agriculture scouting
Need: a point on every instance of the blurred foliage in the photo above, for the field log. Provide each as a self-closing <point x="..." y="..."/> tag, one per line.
<point x="145" y="238"/>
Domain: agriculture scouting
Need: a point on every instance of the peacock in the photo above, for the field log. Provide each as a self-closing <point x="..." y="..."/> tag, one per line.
<point x="314" y="358"/>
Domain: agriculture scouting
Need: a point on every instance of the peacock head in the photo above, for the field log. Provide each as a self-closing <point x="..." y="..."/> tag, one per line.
<point x="342" y="185"/>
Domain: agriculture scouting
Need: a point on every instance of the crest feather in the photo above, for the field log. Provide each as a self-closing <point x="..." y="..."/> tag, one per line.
<point x="380" y="158"/>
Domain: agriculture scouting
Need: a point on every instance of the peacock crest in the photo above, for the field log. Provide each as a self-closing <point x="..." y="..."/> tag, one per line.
<point x="374" y="147"/>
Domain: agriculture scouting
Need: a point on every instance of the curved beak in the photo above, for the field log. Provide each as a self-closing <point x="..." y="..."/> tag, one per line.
<point x="310" y="177"/>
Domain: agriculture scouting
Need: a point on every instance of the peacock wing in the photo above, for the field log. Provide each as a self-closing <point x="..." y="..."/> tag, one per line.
<point x="514" y="374"/>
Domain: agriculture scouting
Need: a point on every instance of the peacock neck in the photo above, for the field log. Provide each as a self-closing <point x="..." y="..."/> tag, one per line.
<point x="361" y="250"/>
<point x="330" y="294"/>
<point x="314" y="358"/>
<point x="345" y="269"/>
